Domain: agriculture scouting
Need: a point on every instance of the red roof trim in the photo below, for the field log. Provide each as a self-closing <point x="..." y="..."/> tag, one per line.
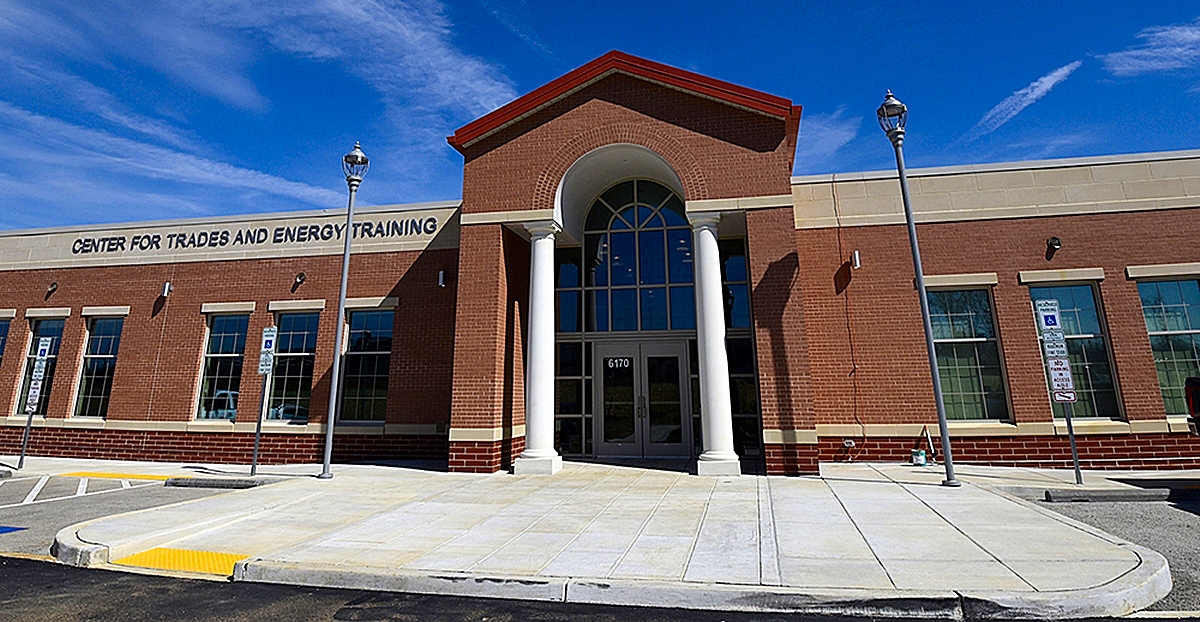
<point x="721" y="91"/>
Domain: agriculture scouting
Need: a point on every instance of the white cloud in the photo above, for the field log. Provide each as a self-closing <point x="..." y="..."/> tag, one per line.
<point x="822" y="136"/>
<point x="1012" y="105"/>
<point x="52" y="163"/>
<point x="1165" y="48"/>
<point x="169" y="37"/>
<point x="401" y="49"/>
<point x="513" y="15"/>
<point x="97" y="101"/>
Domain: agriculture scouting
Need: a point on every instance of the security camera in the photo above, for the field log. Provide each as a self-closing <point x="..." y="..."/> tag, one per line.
<point x="848" y="443"/>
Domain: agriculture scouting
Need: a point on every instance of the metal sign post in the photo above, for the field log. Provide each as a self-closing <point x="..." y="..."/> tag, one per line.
<point x="1062" y="384"/>
<point x="35" y="392"/>
<point x="266" y="364"/>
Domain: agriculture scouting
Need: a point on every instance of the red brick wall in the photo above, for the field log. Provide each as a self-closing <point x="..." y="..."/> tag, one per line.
<point x="484" y="456"/>
<point x="489" y="375"/>
<point x="785" y="393"/>
<point x="718" y="151"/>
<point x="1099" y="451"/>
<point x="162" y="343"/>
<point x="220" y="448"/>
<point x="865" y="342"/>
<point x="791" y="459"/>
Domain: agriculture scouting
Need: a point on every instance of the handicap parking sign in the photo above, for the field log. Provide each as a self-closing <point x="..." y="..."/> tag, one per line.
<point x="1047" y="312"/>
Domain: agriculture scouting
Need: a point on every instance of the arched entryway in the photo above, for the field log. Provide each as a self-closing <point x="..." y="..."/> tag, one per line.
<point x="627" y="359"/>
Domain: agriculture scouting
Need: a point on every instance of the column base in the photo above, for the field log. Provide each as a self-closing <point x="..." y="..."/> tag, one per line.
<point x="722" y="468"/>
<point x="537" y="466"/>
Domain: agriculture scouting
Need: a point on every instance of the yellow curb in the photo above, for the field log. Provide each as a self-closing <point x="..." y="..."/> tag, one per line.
<point x="120" y="475"/>
<point x="184" y="560"/>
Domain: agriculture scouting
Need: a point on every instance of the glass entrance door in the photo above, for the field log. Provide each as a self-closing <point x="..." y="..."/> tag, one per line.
<point x="642" y="401"/>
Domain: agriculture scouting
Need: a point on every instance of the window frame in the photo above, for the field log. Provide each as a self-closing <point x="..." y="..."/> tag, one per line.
<point x="1105" y="335"/>
<point x="989" y="291"/>
<point x="7" y="324"/>
<point x="1166" y="333"/>
<point x="280" y="357"/>
<point x="345" y="367"/>
<point x="204" y="357"/>
<point x="27" y="367"/>
<point x="585" y="291"/>
<point x="82" y="376"/>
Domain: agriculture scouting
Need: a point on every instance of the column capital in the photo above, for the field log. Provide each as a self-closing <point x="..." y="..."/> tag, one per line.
<point x="539" y="229"/>
<point x="704" y="220"/>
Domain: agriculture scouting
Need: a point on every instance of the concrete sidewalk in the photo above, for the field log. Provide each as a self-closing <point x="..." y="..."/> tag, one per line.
<point x="862" y="539"/>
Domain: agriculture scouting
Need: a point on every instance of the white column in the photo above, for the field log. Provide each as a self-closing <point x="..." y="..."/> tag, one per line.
<point x="716" y="410"/>
<point x="539" y="457"/>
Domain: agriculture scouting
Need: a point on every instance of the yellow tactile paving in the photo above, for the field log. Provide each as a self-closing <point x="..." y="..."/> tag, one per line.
<point x="94" y="475"/>
<point x="184" y="560"/>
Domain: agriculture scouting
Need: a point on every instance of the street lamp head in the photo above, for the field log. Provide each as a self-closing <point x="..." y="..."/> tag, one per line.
<point x="355" y="164"/>
<point x="893" y="115"/>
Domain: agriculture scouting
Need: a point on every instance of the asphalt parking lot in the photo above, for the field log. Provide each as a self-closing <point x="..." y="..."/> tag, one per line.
<point x="33" y="508"/>
<point x="1172" y="528"/>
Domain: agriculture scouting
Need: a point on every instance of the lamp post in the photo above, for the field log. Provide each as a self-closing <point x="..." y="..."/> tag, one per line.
<point x="893" y="115"/>
<point x="354" y="165"/>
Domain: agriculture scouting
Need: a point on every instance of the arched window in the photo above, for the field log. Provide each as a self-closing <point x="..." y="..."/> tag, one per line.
<point x="637" y="261"/>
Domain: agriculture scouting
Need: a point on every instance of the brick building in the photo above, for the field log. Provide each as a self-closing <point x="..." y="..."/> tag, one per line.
<point x="633" y="272"/>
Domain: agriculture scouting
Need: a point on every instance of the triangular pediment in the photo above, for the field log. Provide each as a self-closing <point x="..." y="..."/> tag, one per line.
<point x="619" y="63"/>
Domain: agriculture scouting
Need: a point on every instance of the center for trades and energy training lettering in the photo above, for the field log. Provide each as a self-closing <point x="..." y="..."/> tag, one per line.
<point x="219" y="238"/>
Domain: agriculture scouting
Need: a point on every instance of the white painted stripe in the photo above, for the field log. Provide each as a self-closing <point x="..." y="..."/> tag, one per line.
<point x="36" y="489"/>
<point x="125" y="484"/>
<point x="82" y="489"/>
<point x="96" y="492"/>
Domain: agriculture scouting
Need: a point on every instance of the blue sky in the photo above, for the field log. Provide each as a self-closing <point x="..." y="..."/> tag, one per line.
<point x="119" y="110"/>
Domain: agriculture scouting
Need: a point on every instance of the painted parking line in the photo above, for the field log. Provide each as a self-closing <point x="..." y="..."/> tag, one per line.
<point x="184" y="560"/>
<point x="80" y="491"/>
<point x="6" y="529"/>
<point x="36" y="489"/>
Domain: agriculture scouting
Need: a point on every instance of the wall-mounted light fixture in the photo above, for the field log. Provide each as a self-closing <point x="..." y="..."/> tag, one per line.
<point x="53" y="288"/>
<point x="855" y="260"/>
<point x="1053" y="243"/>
<point x="300" y="279"/>
<point x="167" y="289"/>
<point x="441" y="278"/>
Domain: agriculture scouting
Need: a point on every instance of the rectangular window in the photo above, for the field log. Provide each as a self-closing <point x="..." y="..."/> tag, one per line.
<point x="3" y="337"/>
<point x="968" y="354"/>
<point x="99" y="364"/>
<point x="368" y="359"/>
<point x="291" y="382"/>
<point x="736" y="280"/>
<point x="223" y="366"/>
<point x="1172" y="312"/>
<point x="41" y="328"/>
<point x="1087" y="349"/>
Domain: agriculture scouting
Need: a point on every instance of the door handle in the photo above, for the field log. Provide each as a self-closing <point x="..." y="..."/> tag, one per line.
<point x="642" y="406"/>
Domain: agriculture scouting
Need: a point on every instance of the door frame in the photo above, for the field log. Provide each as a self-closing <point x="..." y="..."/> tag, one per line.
<point x="638" y="350"/>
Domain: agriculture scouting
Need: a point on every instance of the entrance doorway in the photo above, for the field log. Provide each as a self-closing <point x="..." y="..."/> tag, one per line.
<point x="643" y="400"/>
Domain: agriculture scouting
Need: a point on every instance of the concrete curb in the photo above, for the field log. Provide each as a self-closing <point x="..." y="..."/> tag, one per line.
<point x="1139" y="588"/>
<point x="225" y="483"/>
<point x="1059" y="495"/>
<point x="1067" y="495"/>
<point x="72" y="551"/>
